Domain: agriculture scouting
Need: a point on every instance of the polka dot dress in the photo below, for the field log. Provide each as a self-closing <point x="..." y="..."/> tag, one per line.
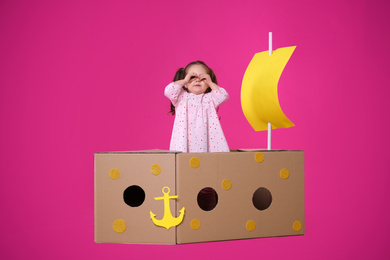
<point x="197" y="128"/>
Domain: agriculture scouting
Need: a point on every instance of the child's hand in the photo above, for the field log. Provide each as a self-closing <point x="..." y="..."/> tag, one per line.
<point x="208" y="81"/>
<point x="189" y="78"/>
<point x="206" y="78"/>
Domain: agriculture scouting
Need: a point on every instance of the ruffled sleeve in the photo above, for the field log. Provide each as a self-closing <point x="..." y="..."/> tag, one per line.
<point x="219" y="97"/>
<point x="173" y="92"/>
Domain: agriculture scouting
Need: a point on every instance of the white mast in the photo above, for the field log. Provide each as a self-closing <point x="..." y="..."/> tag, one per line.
<point x="269" y="124"/>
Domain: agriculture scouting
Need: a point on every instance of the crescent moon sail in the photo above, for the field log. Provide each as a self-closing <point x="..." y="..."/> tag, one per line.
<point x="259" y="90"/>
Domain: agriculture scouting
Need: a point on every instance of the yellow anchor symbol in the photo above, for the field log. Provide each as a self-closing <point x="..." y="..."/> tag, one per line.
<point x="168" y="220"/>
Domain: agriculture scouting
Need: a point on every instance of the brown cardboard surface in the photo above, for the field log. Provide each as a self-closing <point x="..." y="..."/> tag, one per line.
<point x="135" y="169"/>
<point x="226" y="221"/>
<point x="152" y="151"/>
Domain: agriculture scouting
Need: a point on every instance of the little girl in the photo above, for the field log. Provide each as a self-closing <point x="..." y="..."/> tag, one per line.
<point x="195" y="97"/>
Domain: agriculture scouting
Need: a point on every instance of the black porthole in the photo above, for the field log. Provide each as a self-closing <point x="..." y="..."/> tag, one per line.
<point x="207" y="199"/>
<point x="134" y="196"/>
<point x="262" y="198"/>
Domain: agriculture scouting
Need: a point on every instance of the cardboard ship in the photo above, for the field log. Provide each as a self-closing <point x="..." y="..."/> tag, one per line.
<point x="164" y="197"/>
<point x="205" y="196"/>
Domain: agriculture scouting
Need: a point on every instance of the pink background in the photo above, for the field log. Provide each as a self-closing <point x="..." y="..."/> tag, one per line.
<point x="78" y="77"/>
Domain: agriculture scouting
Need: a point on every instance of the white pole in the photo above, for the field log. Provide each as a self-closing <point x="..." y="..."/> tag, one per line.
<point x="269" y="124"/>
<point x="270" y="43"/>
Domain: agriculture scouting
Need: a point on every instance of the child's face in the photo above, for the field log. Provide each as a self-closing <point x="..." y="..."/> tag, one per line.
<point x="197" y="85"/>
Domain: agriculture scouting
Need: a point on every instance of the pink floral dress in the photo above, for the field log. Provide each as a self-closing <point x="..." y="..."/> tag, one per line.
<point x="197" y="128"/>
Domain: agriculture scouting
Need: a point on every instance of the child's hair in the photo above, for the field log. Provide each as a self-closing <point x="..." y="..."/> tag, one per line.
<point x="181" y="74"/>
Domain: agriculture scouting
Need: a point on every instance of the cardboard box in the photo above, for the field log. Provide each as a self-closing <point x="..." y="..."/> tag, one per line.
<point x="225" y="196"/>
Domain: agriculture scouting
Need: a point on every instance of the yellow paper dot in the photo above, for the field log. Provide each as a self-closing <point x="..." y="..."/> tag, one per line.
<point x="114" y="173"/>
<point x="119" y="226"/>
<point x="195" y="224"/>
<point x="250" y="225"/>
<point x="155" y="169"/>
<point x="226" y="184"/>
<point x="194" y="162"/>
<point x="259" y="157"/>
<point x="297" y="225"/>
<point x="284" y="173"/>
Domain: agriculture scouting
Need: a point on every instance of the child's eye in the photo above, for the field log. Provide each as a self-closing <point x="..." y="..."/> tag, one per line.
<point x="193" y="77"/>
